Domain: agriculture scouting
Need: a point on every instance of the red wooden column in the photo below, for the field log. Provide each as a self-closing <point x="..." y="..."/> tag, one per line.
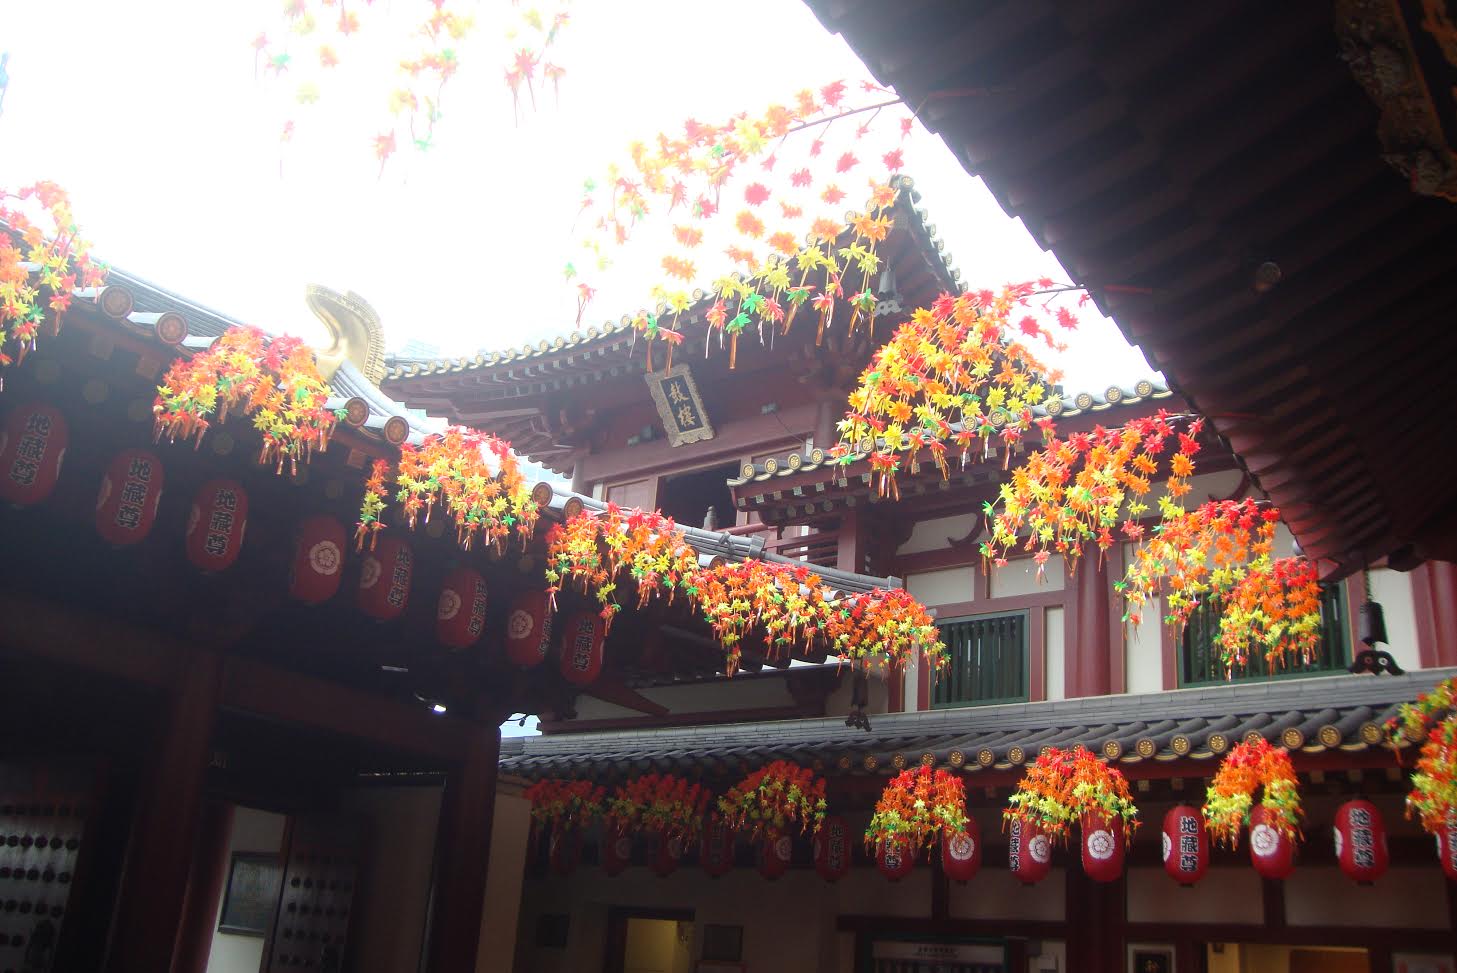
<point x="205" y="888"/>
<point x="1434" y="593"/>
<point x="853" y="541"/>
<point x="169" y="811"/>
<point x="462" y="853"/>
<point x="1088" y="643"/>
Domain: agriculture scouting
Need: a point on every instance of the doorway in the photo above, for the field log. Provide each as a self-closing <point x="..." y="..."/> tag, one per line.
<point x="1248" y="958"/>
<point x="649" y="941"/>
<point x="687" y="497"/>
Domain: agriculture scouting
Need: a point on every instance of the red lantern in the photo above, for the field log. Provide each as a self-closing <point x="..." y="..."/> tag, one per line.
<point x="564" y="849"/>
<point x="528" y="629"/>
<point x="131" y="490"/>
<point x="32" y="446"/>
<point x="580" y="655"/>
<point x="716" y="854"/>
<point x="895" y="858"/>
<point x="1102" y="840"/>
<point x="1360" y="837"/>
<point x="664" y="853"/>
<point x="616" y="851"/>
<point x="1186" y="844"/>
<point x="216" y="524"/>
<point x="961" y="852"/>
<point x="775" y="853"/>
<point x="461" y="612"/>
<point x="1029" y="852"/>
<point x="832" y="849"/>
<point x="1447" y="848"/>
<point x="1272" y="853"/>
<point x="318" y="560"/>
<point x="384" y="578"/>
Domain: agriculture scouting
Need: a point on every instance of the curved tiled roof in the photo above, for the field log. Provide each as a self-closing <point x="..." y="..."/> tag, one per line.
<point x="1331" y="713"/>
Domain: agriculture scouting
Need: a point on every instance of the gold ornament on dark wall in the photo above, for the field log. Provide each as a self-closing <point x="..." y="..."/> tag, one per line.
<point x="679" y="405"/>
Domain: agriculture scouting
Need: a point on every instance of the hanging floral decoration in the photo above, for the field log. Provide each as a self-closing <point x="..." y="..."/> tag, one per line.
<point x="1432" y="721"/>
<point x="473" y="476"/>
<point x="784" y="603"/>
<point x="1246" y="768"/>
<point x="920" y="806"/>
<point x="774" y="797"/>
<point x="274" y="380"/>
<point x="1060" y="786"/>
<point x="659" y="802"/>
<point x="596" y="551"/>
<point x="565" y="803"/>
<point x="884" y="624"/>
<point x="40" y="265"/>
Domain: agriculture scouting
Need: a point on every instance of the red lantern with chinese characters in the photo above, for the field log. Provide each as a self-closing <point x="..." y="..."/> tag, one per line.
<point x="832" y="849"/>
<point x="564" y="850"/>
<point x="1360" y="837"/>
<point x="616" y="850"/>
<point x="1186" y="844"/>
<point x="1272" y="853"/>
<point x="776" y="851"/>
<point x="716" y="854"/>
<point x="460" y="615"/>
<point x="528" y="629"/>
<point x="1029" y="852"/>
<point x="131" y="490"/>
<point x="384" y="578"/>
<point x="961" y="852"/>
<point x="665" y="853"/>
<point x="318" y="560"/>
<point x="216" y="524"/>
<point x="1103" y="847"/>
<point x="580" y="655"/>
<point x="895" y="858"/>
<point x="1447" y="848"/>
<point x="32" y="446"/>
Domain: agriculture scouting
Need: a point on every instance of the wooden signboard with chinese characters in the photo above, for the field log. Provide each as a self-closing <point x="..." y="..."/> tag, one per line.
<point x="676" y="396"/>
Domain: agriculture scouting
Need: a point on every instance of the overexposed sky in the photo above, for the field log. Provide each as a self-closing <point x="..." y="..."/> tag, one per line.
<point x="148" y="111"/>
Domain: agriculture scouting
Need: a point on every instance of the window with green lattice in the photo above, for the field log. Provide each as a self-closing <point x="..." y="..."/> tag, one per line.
<point x="987" y="661"/>
<point x="1200" y="663"/>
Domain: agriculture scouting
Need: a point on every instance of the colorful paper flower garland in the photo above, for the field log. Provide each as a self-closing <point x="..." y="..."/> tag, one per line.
<point x="274" y="380"/>
<point x="40" y="269"/>
<point x="473" y="476"/>
<point x="1060" y="786"/>
<point x="666" y="803"/>
<point x="565" y="804"/>
<point x="774" y="798"/>
<point x="1248" y="767"/>
<point x="1432" y="721"/>
<point x="786" y="604"/>
<point x="920" y="806"/>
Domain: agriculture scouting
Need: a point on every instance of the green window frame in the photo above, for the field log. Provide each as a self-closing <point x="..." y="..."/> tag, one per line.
<point x="987" y="661"/>
<point x="1200" y="665"/>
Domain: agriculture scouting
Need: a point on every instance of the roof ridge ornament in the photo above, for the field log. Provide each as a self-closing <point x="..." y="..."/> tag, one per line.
<point x="355" y="331"/>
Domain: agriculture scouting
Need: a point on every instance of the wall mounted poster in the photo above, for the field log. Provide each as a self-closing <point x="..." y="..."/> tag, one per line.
<point x="1421" y="963"/>
<point x="252" y="893"/>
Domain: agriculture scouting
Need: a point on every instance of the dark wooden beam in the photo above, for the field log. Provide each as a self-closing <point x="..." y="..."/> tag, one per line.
<point x="462" y="855"/>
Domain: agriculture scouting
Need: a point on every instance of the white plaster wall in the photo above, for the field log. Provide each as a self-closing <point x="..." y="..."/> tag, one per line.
<point x="1403" y="897"/>
<point x="947" y="586"/>
<point x="1019" y="577"/>
<point x="255" y="831"/>
<point x="1054" y="628"/>
<point x="995" y="894"/>
<point x="712" y="697"/>
<point x="1393" y="590"/>
<point x="931" y="535"/>
<point x="1224" y="895"/>
<point x="389" y="924"/>
<point x="500" y="918"/>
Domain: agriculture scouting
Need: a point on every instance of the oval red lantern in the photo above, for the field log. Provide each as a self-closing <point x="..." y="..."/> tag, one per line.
<point x="1272" y="853"/>
<point x="716" y="854"/>
<point x="564" y="850"/>
<point x="131" y="490"/>
<point x="460" y="614"/>
<point x="776" y="851"/>
<point x="32" y="446"/>
<point x="616" y="850"/>
<point x="1360" y="837"/>
<point x="1029" y="852"/>
<point x="216" y="524"/>
<point x="1103" y="847"/>
<point x="1186" y="844"/>
<point x="832" y="849"/>
<point x="1447" y="848"/>
<point x="961" y="853"/>
<point x="384" y="578"/>
<point x="528" y="629"/>
<point x="665" y="853"/>
<point x="318" y="560"/>
<point x="894" y="858"/>
<point x="580" y="656"/>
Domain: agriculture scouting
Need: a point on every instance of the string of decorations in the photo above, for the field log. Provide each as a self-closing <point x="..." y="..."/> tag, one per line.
<point x="665" y="803"/>
<point x="568" y="804"/>
<point x="919" y="806"/>
<point x="1061" y="786"/>
<point x="1248" y="767"/>
<point x="1431" y="720"/>
<point x="473" y="476"/>
<point x="41" y="263"/>
<point x="276" y="381"/>
<point x="773" y="798"/>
